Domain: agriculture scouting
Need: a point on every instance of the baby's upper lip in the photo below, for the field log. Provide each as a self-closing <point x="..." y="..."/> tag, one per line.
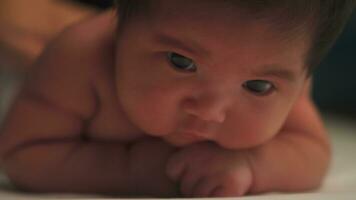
<point x="199" y="128"/>
<point x="196" y="134"/>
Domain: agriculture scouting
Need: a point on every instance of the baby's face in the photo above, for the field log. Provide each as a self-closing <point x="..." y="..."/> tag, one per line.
<point x="199" y="71"/>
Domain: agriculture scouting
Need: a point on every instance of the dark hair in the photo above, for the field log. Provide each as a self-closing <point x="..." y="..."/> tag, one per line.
<point x="325" y="18"/>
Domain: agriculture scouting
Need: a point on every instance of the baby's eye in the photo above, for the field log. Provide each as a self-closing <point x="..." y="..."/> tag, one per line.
<point x="181" y="63"/>
<point x="259" y="87"/>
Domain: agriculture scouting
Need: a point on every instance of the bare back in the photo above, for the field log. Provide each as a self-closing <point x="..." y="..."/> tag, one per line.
<point x="72" y="91"/>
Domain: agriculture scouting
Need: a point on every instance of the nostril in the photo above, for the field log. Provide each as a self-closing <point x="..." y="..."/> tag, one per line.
<point x="204" y="110"/>
<point x="218" y="117"/>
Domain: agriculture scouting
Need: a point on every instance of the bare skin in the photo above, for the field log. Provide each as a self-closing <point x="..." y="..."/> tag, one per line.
<point x="68" y="115"/>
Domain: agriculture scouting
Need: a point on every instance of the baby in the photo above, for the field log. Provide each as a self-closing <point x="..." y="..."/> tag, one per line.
<point x="177" y="98"/>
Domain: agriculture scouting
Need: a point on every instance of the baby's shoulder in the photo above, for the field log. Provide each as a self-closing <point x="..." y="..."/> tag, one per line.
<point x="67" y="71"/>
<point x="83" y="46"/>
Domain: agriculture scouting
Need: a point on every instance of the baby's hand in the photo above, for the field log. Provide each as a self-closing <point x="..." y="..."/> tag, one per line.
<point x="207" y="170"/>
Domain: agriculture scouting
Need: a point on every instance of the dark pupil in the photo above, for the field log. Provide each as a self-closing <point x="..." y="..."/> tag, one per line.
<point x="258" y="86"/>
<point x="180" y="61"/>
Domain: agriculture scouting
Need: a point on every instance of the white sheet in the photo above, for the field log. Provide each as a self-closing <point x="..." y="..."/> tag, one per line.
<point x="340" y="183"/>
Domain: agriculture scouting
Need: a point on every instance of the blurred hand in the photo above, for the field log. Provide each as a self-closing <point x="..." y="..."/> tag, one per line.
<point x="207" y="170"/>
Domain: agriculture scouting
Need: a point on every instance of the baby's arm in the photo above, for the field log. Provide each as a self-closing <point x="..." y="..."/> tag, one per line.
<point x="42" y="147"/>
<point x="298" y="157"/>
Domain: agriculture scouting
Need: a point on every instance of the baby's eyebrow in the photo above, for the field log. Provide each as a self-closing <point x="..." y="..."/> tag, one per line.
<point x="278" y="72"/>
<point x="188" y="45"/>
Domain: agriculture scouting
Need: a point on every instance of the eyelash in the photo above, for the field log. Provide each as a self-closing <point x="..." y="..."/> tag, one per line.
<point x="272" y="88"/>
<point x="191" y="67"/>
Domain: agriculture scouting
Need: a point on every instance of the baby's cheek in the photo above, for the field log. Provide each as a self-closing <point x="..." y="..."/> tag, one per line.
<point x="154" y="113"/>
<point x="253" y="139"/>
<point x="246" y="136"/>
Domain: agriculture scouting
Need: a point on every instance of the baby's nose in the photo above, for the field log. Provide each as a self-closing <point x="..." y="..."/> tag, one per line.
<point x="207" y="107"/>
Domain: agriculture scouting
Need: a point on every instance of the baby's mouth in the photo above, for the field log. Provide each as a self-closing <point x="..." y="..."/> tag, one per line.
<point x="198" y="132"/>
<point x="184" y="138"/>
<point x="192" y="135"/>
<point x="192" y="131"/>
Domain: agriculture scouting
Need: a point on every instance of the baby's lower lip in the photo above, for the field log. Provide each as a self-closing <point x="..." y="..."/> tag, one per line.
<point x="193" y="135"/>
<point x="184" y="138"/>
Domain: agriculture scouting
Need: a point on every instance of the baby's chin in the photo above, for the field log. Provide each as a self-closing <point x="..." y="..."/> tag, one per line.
<point x="182" y="141"/>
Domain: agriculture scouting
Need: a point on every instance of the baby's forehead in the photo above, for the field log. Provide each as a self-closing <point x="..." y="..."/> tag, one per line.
<point x="218" y="20"/>
<point x="231" y="14"/>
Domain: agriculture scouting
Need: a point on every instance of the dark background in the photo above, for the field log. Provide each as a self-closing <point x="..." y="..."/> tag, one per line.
<point x="335" y="79"/>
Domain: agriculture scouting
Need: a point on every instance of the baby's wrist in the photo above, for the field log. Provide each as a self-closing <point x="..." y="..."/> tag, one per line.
<point x="249" y="158"/>
<point x="148" y="159"/>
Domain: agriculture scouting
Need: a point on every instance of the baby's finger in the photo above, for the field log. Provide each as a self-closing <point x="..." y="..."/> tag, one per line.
<point x="218" y="192"/>
<point x="175" y="168"/>
<point x="226" y="192"/>
<point x="229" y="189"/>
<point x="205" y="187"/>
<point x="188" y="182"/>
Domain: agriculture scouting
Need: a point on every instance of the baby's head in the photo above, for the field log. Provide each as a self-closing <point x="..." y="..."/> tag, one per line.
<point x="228" y="71"/>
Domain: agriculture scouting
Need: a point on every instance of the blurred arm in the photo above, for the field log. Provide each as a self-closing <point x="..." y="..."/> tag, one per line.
<point x="298" y="157"/>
